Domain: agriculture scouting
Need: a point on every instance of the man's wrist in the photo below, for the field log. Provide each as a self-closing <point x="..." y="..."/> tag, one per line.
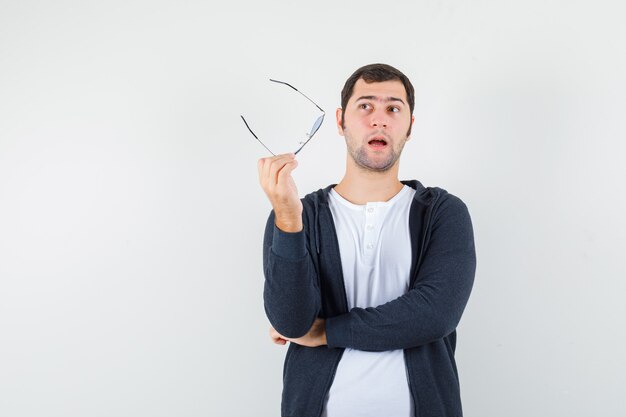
<point x="292" y="225"/>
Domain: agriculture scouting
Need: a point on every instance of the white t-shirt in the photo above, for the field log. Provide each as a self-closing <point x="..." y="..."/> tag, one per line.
<point x="375" y="248"/>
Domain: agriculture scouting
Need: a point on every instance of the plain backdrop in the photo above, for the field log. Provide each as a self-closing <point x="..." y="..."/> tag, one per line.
<point x="131" y="218"/>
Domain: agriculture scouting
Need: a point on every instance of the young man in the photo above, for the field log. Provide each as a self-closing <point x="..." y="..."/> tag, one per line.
<point x="367" y="279"/>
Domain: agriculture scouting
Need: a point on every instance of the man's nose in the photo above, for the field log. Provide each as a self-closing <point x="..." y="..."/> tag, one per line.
<point x="379" y="120"/>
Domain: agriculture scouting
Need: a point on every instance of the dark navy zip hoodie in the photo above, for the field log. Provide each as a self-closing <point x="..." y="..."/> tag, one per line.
<point x="304" y="280"/>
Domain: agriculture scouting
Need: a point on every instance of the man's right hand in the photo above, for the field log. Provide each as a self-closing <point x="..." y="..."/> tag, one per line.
<point x="279" y="186"/>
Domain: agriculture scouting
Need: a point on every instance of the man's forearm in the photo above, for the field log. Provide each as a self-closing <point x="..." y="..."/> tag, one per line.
<point x="291" y="292"/>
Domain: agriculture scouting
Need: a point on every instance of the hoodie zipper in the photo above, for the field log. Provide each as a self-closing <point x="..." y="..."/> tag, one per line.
<point x="336" y="243"/>
<point x="330" y="381"/>
<point x="412" y="284"/>
<point x="345" y="299"/>
<point x="426" y="228"/>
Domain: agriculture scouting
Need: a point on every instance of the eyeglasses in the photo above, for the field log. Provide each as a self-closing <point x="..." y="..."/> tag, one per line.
<point x="309" y="135"/>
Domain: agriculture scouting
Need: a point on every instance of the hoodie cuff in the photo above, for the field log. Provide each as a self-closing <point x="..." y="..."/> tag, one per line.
<point x="289" y="245"/>
<point x="338" y="332"/>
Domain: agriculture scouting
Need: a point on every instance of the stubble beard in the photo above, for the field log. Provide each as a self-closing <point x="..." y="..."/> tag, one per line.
<point x="359" y="155"/>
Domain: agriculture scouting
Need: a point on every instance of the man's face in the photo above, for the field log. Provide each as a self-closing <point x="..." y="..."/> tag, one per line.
<point x="377" y="119"/>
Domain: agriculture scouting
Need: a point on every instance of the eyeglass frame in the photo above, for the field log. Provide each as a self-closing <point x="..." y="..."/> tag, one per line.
<point x="316" y="125"/>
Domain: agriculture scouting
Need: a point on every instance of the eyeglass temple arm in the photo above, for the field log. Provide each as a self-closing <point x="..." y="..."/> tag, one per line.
<point x="255" y="136"/>
<point x="305" y="96"/>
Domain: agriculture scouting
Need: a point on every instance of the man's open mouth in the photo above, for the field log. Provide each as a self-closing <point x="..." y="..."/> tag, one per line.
<point x="377" y="143"/>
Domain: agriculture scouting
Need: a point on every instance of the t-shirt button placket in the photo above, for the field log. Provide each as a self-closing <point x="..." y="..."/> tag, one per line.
<point x="369" y="228"/>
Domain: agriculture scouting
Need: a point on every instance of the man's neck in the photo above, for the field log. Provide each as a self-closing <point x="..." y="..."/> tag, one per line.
<point x="360" y="186"/>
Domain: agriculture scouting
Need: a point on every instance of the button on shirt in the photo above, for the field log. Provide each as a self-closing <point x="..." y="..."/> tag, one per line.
<point x="375" y="249"/>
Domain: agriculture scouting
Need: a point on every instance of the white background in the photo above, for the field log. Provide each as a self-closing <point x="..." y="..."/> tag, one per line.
<point x="131" y="218"/>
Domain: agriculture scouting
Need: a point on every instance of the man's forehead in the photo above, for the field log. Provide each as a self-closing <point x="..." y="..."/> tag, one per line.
<point x="381" y="90"/>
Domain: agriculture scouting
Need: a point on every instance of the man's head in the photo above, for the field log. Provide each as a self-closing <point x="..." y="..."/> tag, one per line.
<point x="376" y="115"/>
<point x="376" y="73"/>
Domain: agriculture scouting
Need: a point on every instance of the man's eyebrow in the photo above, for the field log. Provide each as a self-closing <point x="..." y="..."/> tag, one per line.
<point x="378" y="98"/>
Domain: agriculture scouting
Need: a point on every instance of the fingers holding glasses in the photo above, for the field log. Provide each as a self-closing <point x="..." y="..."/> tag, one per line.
<point x="274" y="174"/>
<point x="269" y="169"/>
<point x="278" y="184"/>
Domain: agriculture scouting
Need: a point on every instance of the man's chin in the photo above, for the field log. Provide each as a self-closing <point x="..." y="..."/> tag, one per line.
<point x="375" y="166"/>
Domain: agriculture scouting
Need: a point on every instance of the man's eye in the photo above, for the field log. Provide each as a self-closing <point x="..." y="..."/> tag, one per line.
<point x="394" y="109"/>
<point x="364" y="106"/>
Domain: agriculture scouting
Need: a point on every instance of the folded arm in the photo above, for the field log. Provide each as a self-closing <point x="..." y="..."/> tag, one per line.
<point x="430" y="310"/>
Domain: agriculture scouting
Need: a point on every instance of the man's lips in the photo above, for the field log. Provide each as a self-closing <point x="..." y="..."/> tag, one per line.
<point x="377" y="142"/>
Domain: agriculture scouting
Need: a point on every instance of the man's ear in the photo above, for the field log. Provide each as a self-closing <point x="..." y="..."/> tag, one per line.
<point x="338" y="114"/>
<point x="412" y="122"/>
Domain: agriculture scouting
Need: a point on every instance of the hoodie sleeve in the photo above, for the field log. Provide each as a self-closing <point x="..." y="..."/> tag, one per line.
<point x="430" y="310"/>
<point x="291" y="293"/>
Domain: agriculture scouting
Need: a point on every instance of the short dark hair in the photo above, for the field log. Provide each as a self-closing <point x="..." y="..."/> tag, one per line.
<point x="376" y="73"/>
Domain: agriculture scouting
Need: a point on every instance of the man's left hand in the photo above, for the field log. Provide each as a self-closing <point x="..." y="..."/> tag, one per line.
<point x="316" y="336"/>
